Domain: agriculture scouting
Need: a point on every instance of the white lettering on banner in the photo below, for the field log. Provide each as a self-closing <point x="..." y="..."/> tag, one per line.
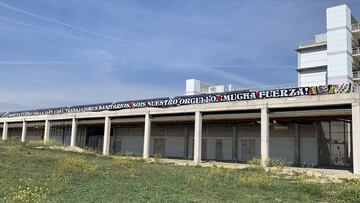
<point x="196" y="99"/>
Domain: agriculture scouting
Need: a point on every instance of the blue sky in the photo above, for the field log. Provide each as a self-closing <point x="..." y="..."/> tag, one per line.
<point x="59" y="53"/>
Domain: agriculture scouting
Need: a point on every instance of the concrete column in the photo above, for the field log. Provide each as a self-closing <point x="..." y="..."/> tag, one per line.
<point x="147" y="134"/>
<point x="264" y="136"/>
<point x="197" y="137"/>
<point x="47" y="131"/>
<point x="5" y="131"/>
<point x="297" y="144"/>
<point x="356" y="137"/>
<point x="107" y="130"/>
<point x="73" y="132"/>
<point x="24" y="130"/>
<point x="339" y="45"/>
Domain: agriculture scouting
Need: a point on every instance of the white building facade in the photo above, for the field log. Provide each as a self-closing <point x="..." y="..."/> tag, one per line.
<point x="333" y="57"/>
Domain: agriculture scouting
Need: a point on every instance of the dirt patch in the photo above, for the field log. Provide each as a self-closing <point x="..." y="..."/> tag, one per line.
<point x="66" y="148"/>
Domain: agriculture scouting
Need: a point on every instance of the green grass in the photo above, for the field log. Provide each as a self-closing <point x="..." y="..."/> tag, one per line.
<point x="28" y="174"/>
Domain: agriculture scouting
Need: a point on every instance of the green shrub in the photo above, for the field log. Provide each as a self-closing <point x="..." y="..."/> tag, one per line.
<point x="91" y="150"/>
<point x="27" y="191"/>
<point x="14" y="150"/>
<point x="214" y="175"/>
<point x="157" y="158"/>
<point x="256" y="179"/>
<point x="349" y="190"/>
<point x="124" y="162"/>
<point x="35" y="143"/>
<point x="214" y="178"/>
<point x="59" y="179"/>
<point x="278" y="162"/>
<point x="254" y="161"/>
<point x="10" y="142"/>
<point x="303" y="176"/>
<point x="130" y="154"/>
<point x="126" y="165"/>
<point x="271" y="162"/>
<point x="313" y="188"/>
<point x="53" y="143"/>
<point x="77" y="165"/>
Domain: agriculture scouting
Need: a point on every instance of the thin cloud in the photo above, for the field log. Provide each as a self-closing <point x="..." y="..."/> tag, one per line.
<point x="215" y="66"/>
<point x="221" y="73"/>
<point x="233" y="77"/>
<point x="44" y="29"/>
<point x="250" y="67"/>
<point x="96" y="34"/>
<point x="49" y="62"/>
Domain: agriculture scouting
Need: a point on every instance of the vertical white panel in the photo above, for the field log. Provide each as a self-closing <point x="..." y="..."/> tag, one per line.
<point x="313" y="78"/>
<point x="339" y="40"/>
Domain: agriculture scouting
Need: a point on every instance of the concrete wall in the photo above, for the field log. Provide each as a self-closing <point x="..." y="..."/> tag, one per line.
<point x="313" y="58"/>
<point x="33" y="134"/>
<point x="312" y="78"/>
<point x="61" y="134"/>
<point x="14" y="134"/>
<point x="130" y="140"/>
<point x="339" y="44"/>
<point x="282" y="144"/>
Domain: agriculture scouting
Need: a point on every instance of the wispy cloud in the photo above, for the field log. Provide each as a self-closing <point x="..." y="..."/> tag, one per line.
<point x="38" y="28"/>
<point x="127" y="50"/>
<point x="219" y="71"/>
<point x="241" y="80"/>
<point x="74" y="27"/>
<point x="51" y="62"/>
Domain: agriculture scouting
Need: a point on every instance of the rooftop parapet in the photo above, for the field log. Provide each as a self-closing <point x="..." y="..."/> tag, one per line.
<point x="320" y="39"/>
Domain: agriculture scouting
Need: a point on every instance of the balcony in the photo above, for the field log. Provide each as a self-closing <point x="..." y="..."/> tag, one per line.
<point x="311" y="43"/>
<point x="356" y="27"/>
<point x="356" y="51"/>
<point x="356" y="75"/>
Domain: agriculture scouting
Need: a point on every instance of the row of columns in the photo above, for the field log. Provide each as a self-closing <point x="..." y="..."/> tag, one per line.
<point x="198" y="135"/>
<point x="147" y="135"/>
<point x="46" y="131"/>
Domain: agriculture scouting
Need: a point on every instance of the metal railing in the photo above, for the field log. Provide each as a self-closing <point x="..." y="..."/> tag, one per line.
<point x="310" y="42"/>
<point x="356" y="50"/>
<point x="356" y="88"/>
<point x="355" y="27"/>
<point x="269" y="87"/>
<point x="356" y="75"/>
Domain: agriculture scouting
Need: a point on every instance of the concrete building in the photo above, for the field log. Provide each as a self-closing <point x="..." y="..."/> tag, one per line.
<point x="333" y="57"/>
<point x="194" y="87"/>
<point x="316" y="124"/>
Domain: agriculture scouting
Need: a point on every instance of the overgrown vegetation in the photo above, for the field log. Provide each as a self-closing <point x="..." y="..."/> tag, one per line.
<point x="32" y="174"/>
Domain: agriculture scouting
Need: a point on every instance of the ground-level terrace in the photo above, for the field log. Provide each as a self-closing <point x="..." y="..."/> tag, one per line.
<point x="317" y="131"/>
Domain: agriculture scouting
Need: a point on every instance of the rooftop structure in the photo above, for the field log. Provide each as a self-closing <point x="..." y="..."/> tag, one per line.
<point x="332" y="57"/>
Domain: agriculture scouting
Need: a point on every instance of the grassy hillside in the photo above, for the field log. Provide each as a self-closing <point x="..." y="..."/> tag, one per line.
<point x="29" y="174"/>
